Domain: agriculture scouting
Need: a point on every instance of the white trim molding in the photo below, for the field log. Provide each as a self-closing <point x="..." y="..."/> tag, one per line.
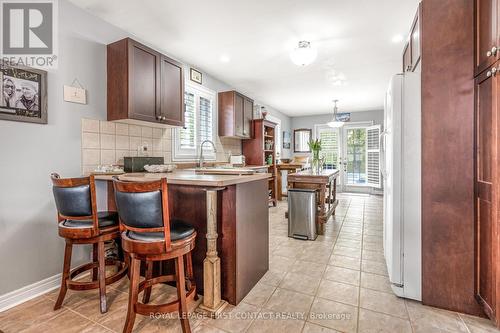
<point x="28" y="292"/>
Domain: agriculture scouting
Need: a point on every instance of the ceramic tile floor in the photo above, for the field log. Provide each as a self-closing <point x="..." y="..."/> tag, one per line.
<point x="337" y="283"/>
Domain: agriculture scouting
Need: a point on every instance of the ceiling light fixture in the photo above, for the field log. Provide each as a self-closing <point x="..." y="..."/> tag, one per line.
<point x="397" y="38"/>
<point x="335" y="123"/>
<point x="304" y="54"/>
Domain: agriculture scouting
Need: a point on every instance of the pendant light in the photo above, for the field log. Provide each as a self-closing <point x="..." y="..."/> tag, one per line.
<point x="335" y="123"/>
<point x="304" y="54"/>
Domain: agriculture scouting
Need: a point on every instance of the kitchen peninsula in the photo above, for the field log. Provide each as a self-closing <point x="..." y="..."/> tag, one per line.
<point x="239" y="206"/>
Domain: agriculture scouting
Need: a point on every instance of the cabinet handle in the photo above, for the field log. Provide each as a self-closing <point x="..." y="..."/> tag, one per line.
<point x="492" y="72"/>
<point x="492" y="52"/>
<point x="158" y="117"/>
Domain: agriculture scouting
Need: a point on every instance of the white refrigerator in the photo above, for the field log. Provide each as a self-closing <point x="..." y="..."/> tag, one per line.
<point x="401" y="171"/>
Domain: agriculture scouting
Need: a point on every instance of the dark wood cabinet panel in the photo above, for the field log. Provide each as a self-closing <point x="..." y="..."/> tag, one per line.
<point x="143" y="84"/>
<point x="172" y="91"/>
<point x="486" y="183"/>
<point x="486" y="33"/>
<point x="247" y="118"/>
<point x="412" y="49"/>
<point x="238" y="114"/>
<point x="235" y="115"/>
<point x="448" y="240"/>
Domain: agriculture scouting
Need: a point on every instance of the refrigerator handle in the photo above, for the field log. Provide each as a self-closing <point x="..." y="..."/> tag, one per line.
<point x="381" y="143"/>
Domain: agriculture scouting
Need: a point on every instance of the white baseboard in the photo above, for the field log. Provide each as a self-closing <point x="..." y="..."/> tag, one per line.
<point x="26" y="293"/>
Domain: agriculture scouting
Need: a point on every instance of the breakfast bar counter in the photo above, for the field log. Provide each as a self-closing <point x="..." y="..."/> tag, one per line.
<point x="230" y="215"/>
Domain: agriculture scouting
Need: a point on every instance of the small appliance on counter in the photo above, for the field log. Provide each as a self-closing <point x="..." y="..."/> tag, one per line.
<point x="136" y="164"/>
<point x="237" y="160"/>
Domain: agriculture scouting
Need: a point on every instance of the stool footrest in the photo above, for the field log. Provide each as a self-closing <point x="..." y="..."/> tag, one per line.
<point x="147" y="309"/>
<point x="86" y="285"/>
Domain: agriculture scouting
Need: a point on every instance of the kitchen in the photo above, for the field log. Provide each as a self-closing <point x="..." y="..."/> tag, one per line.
<point x="148" y="99"/>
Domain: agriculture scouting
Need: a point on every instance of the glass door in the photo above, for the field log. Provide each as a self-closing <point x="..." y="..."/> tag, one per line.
<point x="331" y="143"/>
<point x="355" y="156"/>
<point x="360" y="157"/>
<point x="353" y="150"/>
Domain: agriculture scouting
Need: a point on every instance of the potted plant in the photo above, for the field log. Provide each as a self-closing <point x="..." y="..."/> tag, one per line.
<point x="315" y="147"/>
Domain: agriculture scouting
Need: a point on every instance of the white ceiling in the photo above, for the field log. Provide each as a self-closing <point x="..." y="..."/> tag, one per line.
<point x="352" y="37"/>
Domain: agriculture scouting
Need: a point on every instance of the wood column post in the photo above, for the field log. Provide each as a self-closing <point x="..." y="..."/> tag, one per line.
<point x="213" y="304"/>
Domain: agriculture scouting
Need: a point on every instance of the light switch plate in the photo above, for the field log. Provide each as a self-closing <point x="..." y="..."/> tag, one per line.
<point x="75" y="95"/>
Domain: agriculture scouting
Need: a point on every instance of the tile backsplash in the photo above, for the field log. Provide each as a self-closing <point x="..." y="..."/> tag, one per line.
<point x="107" y="142"/>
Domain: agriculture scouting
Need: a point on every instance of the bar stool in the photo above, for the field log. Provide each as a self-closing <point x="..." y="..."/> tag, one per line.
<point x="148" y="235"/>
<point x="80" y="223"/>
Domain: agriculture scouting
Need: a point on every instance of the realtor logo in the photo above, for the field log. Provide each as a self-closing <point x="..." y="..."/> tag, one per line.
<point x="29" y="32"/>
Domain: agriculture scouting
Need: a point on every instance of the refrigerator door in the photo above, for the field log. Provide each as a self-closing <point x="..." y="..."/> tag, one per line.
<point x="392" y="150"/>
<point x="411" y="189"/>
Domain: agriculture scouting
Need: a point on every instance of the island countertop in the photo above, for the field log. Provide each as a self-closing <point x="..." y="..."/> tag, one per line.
<point x="188" y="177"/>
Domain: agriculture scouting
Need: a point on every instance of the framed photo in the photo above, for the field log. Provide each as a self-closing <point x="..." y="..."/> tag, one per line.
<point x="195" y="76"/>
<point x="24" y="93"/>
<point x="345" y="116"/>
<point x="287" y="140"/>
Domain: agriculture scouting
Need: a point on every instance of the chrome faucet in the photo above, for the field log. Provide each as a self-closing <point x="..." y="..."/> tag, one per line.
<point x="201" y="160"/>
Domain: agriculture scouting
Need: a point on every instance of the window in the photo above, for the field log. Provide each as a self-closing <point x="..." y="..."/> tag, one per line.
<point x="200" y="123"/>
<point x="329" y="145"/>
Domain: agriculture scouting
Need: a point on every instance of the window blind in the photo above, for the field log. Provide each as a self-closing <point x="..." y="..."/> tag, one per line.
<point x="188" y="133"/>
<point x="373" y="155"/>
<point x="199" y="125"/>
<point x="330" y="147"/>
<point x="206" y="120"/>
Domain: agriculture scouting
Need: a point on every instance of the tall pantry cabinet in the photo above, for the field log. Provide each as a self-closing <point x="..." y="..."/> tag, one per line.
<point x="486" y="152"/>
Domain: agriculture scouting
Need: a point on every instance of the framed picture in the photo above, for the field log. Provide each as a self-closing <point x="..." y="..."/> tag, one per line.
<point x="24" y="93"/>
<point x="195" y="76"/>
<point x="345" y="116"/>
<point x="287" y="138"/>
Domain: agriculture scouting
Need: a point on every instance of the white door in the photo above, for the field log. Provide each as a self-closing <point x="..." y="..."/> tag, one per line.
<point x="331" y="149"/>
<point x="391" y="170"/>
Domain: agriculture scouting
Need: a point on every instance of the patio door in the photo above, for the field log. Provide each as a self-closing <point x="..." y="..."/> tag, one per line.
<point x="360" y="158"/>
<point x="331" y="149"/>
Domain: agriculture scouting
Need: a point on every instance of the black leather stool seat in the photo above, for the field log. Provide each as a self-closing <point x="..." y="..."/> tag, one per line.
<point x="106" y="219"/>
<point x="178" y="230"/>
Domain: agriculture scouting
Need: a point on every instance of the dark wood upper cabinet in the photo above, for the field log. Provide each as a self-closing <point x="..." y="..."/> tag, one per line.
<point x="143" y="84"/>
<point x="412" y="49"/>
<point x="487" y="41"/>
<point x="239" y="100"/>
<point x="235" y="115"/>
<point x="144" y="71"/>
<point x="172" y="91"/>
<point x="247" y="118"/>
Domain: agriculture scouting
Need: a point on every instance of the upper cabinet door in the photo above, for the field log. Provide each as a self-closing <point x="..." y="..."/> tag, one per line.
<point x="486" y="34"/>
<point x="247" y="118"/>
<point x="172" y="92"/>
<point x="143" y="87"/>
<point x="238" y="114"/>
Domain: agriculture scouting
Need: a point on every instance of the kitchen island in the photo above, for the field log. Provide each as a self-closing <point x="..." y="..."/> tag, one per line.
<point x="230" y="215"/>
